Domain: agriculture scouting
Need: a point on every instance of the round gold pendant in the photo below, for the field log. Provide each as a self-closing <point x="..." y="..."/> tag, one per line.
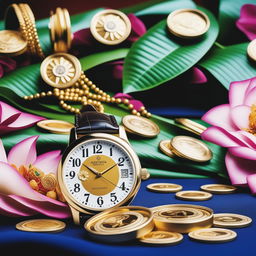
<point x="12" y="43"/>
<point x="61" y="70"/>
<point x="110" y="27"/>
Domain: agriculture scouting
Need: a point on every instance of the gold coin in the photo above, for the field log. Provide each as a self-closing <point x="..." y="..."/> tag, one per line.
<point x="164" y="187"/>
<point x="193" y="195"/>
<point x="165" y="147"/>
<point x="251" y="49"/>
<point x="231" y="220"/>
<point x="110" y="27"/>
<point x="56" y="126"/>
<point x="213" y="235"/>
<point x="41" y="225"/>
<point x="190" y="148"/>
<point x="12" y="43"/>
<point x="60" y="70"/>
<point x="120" y="224"/>
<point x="162" y="237"/>
<point x="188" y="23"/>
<point x="182" y="218"/>
<point x="140" y="126"/>
<point x="219" y="188"/>
<point x="191" y="125"/>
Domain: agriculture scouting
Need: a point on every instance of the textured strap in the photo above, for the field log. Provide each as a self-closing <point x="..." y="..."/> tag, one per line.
<point x="92" y="121"/>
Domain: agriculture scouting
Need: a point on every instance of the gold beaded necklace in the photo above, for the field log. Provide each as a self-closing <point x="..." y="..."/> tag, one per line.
<point x="63" y="71"/>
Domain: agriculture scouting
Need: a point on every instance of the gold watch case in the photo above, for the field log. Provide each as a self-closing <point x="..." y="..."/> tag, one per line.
<point x="122" y="141"/>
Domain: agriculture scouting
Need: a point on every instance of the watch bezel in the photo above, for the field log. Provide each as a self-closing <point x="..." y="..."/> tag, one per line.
<point x="136" y="164"/>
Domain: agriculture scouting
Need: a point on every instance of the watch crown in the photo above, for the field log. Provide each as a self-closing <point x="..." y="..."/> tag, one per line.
<point x="144" y="173"/>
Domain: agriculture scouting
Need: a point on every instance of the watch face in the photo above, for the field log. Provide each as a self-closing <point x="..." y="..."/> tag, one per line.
<point x="99" y="174"/>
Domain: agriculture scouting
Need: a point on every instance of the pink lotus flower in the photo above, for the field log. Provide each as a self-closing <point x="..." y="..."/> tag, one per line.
<point x="17" y="198"/>
<point x="11" y="119"/>
<point x="234" y="127"/>
<point x="247" y="20"/>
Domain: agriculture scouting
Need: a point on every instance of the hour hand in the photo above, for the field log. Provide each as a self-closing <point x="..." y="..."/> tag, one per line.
<point x="101" y="173"/>
<point x="92" y="170"/>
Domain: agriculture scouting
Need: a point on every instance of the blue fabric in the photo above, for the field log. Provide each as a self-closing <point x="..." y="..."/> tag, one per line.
<point x="74" y="241"/>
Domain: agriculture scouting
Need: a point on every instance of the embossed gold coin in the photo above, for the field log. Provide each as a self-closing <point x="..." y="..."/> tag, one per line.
<point x="188" y="23"/>
<point x="120" y="224"/>
<point x="49" y="181"/>
<point x="162" y="237"/>
<point x="193" y="195"/>
<point x="191" y="125"/>
<point x="164" y="187"/>
<point x="41" y="225"/>
<point x="110" y="27"/>
<point x="56" y="126"/>
<point x="140" y="125"/>
<point x="182" y="218"/>
<point x="219" y="188"/>
<point x="12" y="43"/>
<point x="213" y="235"/>
<point x="231" y="220"/>
<point x="190" y="148"/>
<point x="165" y="147"/>
<point x="60" y="70"/>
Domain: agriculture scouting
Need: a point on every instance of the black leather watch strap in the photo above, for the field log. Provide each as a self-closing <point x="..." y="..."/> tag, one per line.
<point x="91" y="121"/>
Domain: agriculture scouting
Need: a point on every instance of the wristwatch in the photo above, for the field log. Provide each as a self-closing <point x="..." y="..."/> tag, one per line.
<point x="99" y="169"/>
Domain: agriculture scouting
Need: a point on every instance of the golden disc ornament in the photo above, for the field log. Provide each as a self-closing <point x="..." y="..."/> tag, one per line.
<point x="41" y="225"/>
<point x="12" y="43"/>
<point x="162" y="237"/>
<point x="213" y="235"/>
<point x="61" y="70"/>
<point x="188" y="23"/>
<point x="110" y="27"/>
<point x="191" y="125"/>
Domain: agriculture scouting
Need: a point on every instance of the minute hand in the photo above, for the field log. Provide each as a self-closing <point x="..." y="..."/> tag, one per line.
<point x="101" y="173"/>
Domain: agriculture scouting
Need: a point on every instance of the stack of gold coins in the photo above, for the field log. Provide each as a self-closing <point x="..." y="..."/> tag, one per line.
<point x="186" y="147"/>
<point x="60" y="30"/>
<point x="182" y="218"/>
<point x="120" y="224"/>
<point x="20" y="17"/>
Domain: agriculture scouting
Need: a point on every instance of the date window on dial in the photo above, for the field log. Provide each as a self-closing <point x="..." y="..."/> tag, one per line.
<point x="124" y="173"/>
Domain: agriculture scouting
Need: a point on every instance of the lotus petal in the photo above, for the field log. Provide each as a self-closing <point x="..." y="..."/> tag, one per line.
<point x="24" y="152"/>
<point x="240" y="116"/>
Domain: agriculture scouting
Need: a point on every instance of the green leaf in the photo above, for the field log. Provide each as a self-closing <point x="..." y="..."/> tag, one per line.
<point x="229" y="64"/>
<point x="156" y="58"/>
<point x="229" y="12"/>
<point x="26" y="81"/>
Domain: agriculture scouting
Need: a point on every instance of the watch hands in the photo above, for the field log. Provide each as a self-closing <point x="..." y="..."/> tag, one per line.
<point x="108" y="169"/>
<point x="111" y="182"/>
<point x="92" y="170"/>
